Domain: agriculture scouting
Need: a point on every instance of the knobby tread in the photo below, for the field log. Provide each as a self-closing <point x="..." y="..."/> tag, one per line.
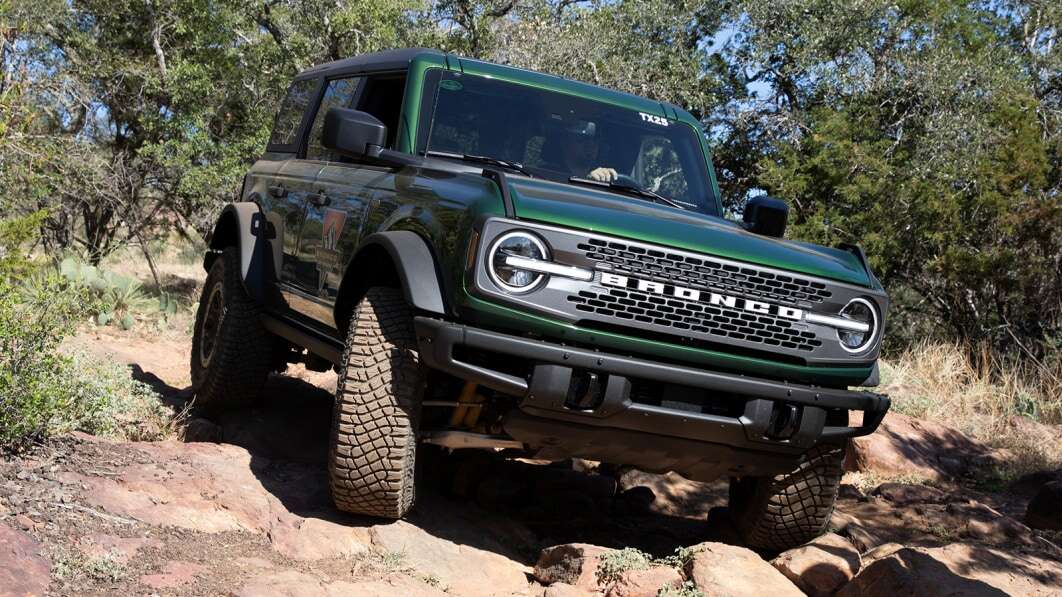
<point x="785" y="511"/>
<point x="377" y="408"/>
<point x="241" y="360"/>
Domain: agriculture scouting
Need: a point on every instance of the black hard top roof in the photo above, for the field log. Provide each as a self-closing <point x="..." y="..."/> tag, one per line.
<point x="377" y="61"/>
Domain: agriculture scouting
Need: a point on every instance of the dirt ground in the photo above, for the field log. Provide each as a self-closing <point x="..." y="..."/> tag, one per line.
<point x="245" y="509"/>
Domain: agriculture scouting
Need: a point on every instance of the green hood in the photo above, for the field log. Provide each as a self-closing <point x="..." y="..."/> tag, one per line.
<point x="632" y="218"/>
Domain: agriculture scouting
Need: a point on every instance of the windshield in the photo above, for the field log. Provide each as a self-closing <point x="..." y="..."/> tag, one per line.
<point x="559" y="137"/>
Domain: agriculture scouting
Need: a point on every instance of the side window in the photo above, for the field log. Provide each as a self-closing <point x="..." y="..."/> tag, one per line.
<point x="289" y="117"/>
<point x="337" y="95"/>
<point x="383" y="99"/>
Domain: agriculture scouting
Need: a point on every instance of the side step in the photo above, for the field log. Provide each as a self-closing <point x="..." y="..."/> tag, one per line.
<point x="319" y="343"/>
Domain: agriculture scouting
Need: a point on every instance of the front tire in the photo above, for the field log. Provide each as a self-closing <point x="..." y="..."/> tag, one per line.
<point x="786" y="511"/>
<point x="231" y="349"/>
<point x="377" y="409"/>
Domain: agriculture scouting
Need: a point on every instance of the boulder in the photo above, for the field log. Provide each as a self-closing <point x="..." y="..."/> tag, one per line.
<point x="882" y="551"/>
<point x="821" y="567"/>
<point x="1045" y="509"/>
<point x="645" y="583"/>
<point x="673" y="494"/>
<point x="847" y="491"/>
<point x="464" y="564"/>
<point x="956" y="569"/>
<point x="1028" y="485"/>
<point x="877" y="522"/>
<point x="561" y="589"/>
<point x="23" y="571"/>
<point x="198" y="429"/>
<point x="200" y="486"/>
<point x="721" y="569"/>
<point x="903" y="494"/>
<point x="572" y="563"/>
<point x="905" y="446"/>
<point x="310" y="539"/>
<point x="636" y="501"/>
<point x="219" y="487"/>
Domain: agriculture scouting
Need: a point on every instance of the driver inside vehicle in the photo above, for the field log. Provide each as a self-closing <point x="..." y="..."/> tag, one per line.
<point x="579" y="149"/>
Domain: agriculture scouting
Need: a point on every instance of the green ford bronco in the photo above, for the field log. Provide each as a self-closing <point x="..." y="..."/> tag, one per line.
<point x="498" y="259"/>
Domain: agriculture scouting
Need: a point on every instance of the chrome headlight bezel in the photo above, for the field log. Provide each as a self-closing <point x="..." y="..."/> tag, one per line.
<point x="494" y="249"/>
<point x="871" y="335"/>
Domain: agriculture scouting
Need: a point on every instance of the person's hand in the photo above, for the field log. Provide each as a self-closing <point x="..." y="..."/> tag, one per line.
<point x="604" y="174"/>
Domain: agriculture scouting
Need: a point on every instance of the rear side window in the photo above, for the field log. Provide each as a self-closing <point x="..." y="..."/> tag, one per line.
<point x="338" y="94"/>
<point x="289" y="118"/>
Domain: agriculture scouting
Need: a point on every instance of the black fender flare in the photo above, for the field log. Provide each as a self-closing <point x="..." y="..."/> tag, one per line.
<point x="415" y="268"/>
<point x="244" y="226"/>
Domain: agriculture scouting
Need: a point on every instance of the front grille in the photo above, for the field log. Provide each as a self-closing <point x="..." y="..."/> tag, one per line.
<point x="686" y="317"/>
<point x="703" y="272"/>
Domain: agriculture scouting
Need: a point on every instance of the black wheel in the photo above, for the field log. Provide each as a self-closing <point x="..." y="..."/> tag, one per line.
<point x="377" y="409"/>
<point x="785" y="511"/>
<point x="231" y="350"/>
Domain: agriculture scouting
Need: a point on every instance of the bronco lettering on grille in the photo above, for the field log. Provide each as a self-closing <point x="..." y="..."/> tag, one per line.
<point x="691" y="294"/>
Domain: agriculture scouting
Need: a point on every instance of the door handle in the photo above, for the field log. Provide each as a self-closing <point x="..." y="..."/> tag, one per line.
<point x="278" y="191"/>
<point x="319" y="199"/>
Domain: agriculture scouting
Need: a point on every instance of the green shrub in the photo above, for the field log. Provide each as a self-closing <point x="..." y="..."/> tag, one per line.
<point x="15" y="235"/>
<point x="686" y="589"/>
<point x="612" y="565"/>
<point x="43" y="392"/>
<point x="117" y="296"/>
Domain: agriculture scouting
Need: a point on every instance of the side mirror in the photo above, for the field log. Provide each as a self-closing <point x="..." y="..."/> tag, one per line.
<point x="361" y="135"/>
<point x="353" y="133"/>
<point x="766" y="215"/>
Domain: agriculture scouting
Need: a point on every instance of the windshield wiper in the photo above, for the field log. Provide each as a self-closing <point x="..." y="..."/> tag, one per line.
<point x="629" y="187"/>
<point x="481" y="159"/>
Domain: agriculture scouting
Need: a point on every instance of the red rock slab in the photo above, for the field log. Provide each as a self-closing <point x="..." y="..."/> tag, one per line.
<point x="23" y="571"/>
<point x="174" y="574"/>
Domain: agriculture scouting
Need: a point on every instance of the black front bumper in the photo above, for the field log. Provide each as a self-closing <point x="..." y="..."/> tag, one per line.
<point x="622" y="430"/>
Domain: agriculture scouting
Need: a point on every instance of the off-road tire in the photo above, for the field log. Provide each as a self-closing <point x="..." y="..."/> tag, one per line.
<point x="785" y="511"/>
<point x="377" y="409"/>
<point x="231" y="349"/>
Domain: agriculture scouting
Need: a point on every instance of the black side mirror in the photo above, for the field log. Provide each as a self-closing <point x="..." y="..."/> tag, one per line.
<point x="353" y="133"/>
<point x="362" y="136"/>
<point x="766" y="215"/>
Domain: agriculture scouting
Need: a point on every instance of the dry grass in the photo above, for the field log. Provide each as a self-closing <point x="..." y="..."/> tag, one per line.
<point x="1017" y="407"/>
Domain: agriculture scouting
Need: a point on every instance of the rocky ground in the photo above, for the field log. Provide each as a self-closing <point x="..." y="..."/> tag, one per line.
<point x="241" y="507"/>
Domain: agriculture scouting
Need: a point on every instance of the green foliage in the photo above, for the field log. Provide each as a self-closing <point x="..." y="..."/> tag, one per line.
<point x="679" y="559"/>
<point x="115" y="297"/>
<point x="168" y="304"/>
<point x="686" y="589"/>
<point x="43" y="392"/>
<point x="928" y="132"/>
<point x="612" y="565"/>
<point x="15" y="235"/>
<point x="32" y="323"/>
<point x="107" y="567"/>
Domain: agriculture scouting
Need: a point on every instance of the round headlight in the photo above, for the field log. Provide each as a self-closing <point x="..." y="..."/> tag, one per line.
<point x="516" y="244"/>
<point x="862" y="311"/>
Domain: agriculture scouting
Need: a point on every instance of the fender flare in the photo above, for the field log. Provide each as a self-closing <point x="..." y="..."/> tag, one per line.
<point x="244" y="226"/>
<point x="415" y="267"/>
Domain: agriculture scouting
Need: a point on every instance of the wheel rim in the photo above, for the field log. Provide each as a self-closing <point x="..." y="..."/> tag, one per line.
<point x="211" y="327"/>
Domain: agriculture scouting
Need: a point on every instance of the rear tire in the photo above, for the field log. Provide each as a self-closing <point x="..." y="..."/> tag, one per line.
<point x="377" y="409"/>
<point x="231" y="349"/>
<point x="786" y="511"/>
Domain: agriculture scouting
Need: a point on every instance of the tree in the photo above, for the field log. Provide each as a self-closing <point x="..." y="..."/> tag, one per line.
<point x="923" y="131"/>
